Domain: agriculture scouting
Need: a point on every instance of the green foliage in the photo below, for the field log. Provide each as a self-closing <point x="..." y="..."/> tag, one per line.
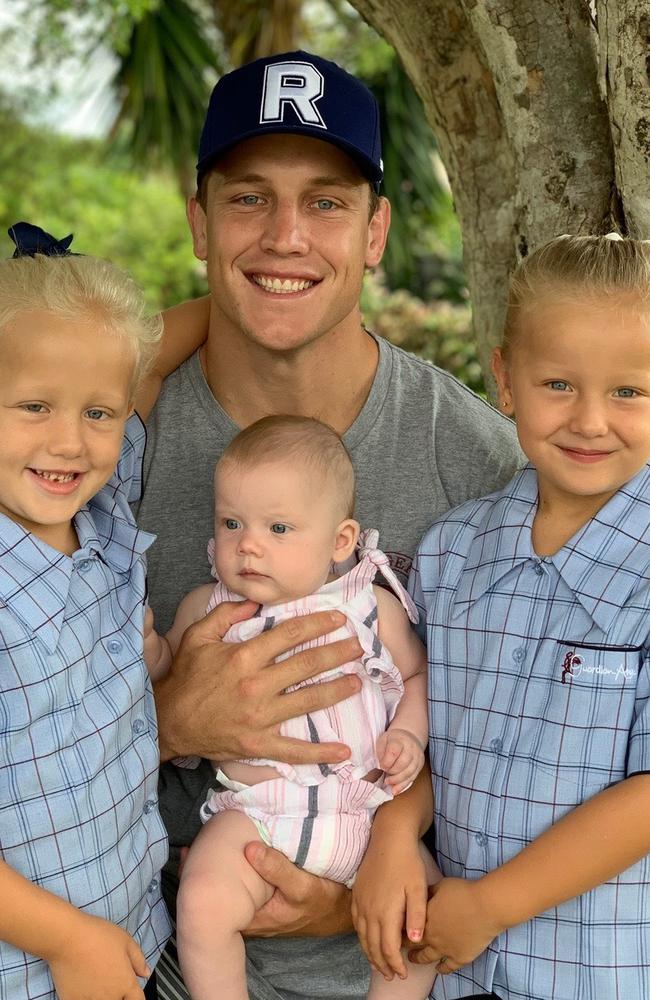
<point x="440" y="331"/>
<point x="165" y="76"/>
<point x="65" y="185"/>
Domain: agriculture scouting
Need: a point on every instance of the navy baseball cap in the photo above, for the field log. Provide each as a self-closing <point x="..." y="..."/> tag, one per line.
<point x="298" y="93"/>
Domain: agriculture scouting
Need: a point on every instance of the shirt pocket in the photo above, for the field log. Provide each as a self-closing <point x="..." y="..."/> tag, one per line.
<point x="583" y="728"/>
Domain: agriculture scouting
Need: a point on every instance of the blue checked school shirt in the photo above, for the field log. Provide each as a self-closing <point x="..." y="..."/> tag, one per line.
<point x="78" y="748"/>
<point x="538" y="699"/>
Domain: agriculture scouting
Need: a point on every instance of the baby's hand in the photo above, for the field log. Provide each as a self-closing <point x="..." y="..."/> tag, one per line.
<point x="100" y="962"/>
<point x="401" y="757"/>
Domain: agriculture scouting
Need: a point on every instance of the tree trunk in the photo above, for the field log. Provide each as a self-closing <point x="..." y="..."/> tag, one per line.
<point x="520" y="96"/>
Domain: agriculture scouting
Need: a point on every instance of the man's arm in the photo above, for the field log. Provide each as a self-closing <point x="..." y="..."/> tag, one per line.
<point x="185" y="329"/>
<point x="589" y="845"/>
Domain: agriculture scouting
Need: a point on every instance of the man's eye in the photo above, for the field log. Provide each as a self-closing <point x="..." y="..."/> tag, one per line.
<point x="325" y="204"/>
<point x="249" y="199"/>
<point x="231" y="524"/>
<point x="279" y="529"/>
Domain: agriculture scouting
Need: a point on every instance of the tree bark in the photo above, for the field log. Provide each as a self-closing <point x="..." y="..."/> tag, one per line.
<point x="624" y="30"/>
<point x="514" y="91"/>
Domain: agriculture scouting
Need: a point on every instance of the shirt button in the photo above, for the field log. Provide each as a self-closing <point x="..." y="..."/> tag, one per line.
<point x="519" y="654"/>
<point x="539" y="569"/>
<point x="496" y="744"/>
<point x="481" y="839"/>
<point x="153" y="885"/>
<point x="139" y="726"/>
<point x="114" y="645"/>
<point x="84" y="565"/>
<point x="149" y="806"/>
<point x="375" y="672"/>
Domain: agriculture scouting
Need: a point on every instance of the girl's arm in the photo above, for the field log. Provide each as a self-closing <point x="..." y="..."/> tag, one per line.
<point x="89" y="958"/>
<point x="185" y="329"/>
<point x="390" y="890"/>
<point x="401" y="748"/>
<point x="594" y="842"/>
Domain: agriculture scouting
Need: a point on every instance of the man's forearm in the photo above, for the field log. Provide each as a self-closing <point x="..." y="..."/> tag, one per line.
<point x="591" y="844"/>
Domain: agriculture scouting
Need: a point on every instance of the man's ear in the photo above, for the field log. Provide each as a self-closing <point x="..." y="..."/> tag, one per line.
<point x="501" y="372"/>
<point x="199" y="227"/>
<point x="347" y="535"/>
<point x="378" y="233"/>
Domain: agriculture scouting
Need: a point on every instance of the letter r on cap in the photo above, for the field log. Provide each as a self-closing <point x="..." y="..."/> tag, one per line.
<point x="296" y="84"/>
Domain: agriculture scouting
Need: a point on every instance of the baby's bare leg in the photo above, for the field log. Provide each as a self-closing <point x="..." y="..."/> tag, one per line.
<point x="218" y="896"/>
<point x="419" y="981"/>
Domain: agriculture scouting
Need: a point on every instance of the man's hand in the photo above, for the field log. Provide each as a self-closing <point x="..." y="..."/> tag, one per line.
<point x="302" y="905"/>
<point x="226" y="700"/>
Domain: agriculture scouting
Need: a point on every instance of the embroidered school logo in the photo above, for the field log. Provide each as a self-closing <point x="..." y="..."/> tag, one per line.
<point x="571" y="660"/>
<point x="574" y="666"/>
<point x="292" y="84"/>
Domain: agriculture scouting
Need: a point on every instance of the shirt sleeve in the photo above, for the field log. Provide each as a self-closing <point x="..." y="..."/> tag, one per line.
<point x="128" y="473"/>
<point x="638" y="750"/>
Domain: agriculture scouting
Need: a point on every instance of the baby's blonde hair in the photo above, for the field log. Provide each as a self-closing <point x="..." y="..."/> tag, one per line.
<point x="72" y="286"/>
<point x="579" y="266"/>
<point x="300" y="441"/>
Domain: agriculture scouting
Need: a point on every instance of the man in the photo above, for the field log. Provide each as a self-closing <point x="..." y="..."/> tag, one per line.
<point x="287" y="217"/>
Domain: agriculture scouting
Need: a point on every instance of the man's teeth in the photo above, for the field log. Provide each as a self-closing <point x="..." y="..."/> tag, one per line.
<point x="282" y="287"/>
<point x="56" y="477"/>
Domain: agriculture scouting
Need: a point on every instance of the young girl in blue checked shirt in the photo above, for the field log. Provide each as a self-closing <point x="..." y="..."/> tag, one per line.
<point x="81" y="840"/>
<point x="536" y="604"/>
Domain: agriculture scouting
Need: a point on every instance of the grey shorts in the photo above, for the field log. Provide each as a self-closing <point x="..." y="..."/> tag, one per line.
<point x="331" y="968"/>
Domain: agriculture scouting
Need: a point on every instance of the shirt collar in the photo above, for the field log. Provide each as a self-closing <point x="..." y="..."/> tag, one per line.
<point x="602" y="564"/>
<point x="35" y="578"/>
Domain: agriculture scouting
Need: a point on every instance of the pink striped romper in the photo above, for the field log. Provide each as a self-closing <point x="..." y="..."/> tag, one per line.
<point x="319" y="815"/>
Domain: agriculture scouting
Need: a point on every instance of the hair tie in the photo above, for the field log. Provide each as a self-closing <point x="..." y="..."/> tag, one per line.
<point x="31" y="240"/>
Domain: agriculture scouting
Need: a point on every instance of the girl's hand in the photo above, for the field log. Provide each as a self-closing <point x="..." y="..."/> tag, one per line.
<point x="459" y="925"/>
<point x="389" y="895"/>
<point x="100" y="962"/>
<point x="401" y="757"/>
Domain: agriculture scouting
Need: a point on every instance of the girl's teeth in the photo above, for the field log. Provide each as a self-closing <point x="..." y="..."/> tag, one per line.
<point x="56" y="477"/>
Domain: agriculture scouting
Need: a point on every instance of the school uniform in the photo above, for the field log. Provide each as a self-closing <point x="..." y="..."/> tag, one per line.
<point x="539" y="699"/>
<point x="78" y="739"/>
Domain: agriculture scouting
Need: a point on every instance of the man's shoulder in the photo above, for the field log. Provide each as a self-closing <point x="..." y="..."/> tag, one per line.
<point x="440" y="392"/>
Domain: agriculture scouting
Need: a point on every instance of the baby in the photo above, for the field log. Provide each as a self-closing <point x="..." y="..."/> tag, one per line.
<point x="284" y="492"/>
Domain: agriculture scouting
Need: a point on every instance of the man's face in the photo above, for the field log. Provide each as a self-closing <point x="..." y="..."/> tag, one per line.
<point x="286" y="236"/>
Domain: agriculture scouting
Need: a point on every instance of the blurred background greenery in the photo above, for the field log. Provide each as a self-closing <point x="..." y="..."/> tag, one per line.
<point x="122" y="192"/>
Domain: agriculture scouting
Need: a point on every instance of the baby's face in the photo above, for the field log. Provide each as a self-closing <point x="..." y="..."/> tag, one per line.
<point x="275" y="531"/>
<point x="64" y="400"/>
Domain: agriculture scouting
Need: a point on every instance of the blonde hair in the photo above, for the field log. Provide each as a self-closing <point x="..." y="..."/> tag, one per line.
<point x="303" y="441"/>
<point x="70" y="286"/>
<point x="584" y="266"/>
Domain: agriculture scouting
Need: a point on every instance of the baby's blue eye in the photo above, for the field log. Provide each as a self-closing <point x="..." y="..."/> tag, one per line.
<point x="33" y="407"/>
<point x="96" y="414"/>
<point x="558" y="385"/>
<point x="625" y="392"/>
<point x="279" y="529"/>
<point x="231" y="524"/>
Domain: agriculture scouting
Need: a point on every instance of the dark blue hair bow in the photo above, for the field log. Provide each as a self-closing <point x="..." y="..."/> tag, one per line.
<point x="31" y="240"/>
